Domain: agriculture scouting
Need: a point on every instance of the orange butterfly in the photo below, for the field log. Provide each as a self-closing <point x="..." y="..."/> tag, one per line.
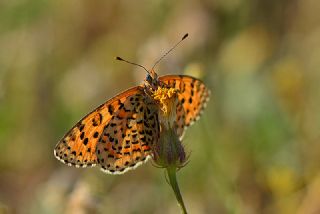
<point x="119" y="135"/>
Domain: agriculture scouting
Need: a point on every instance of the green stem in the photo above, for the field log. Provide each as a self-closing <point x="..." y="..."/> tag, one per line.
<point x="174" y="184"/>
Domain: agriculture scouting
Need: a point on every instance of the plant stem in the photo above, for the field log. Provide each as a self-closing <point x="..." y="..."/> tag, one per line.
<point x="174" y="184"/>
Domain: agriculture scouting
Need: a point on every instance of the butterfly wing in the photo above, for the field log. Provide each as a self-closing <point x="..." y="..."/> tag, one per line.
<point x="193" y="96"/>
<point x="78" y="146"/>
<point x="129" y="136"/>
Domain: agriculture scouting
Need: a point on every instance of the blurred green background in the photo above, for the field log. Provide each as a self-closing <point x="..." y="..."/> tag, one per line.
<point x="256" y="148"/>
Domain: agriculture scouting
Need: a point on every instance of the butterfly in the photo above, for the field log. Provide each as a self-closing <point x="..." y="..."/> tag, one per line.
<point x="119" y="135"/>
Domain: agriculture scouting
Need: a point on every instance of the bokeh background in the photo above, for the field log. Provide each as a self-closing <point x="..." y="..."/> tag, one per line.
<point x="256" y="148"/>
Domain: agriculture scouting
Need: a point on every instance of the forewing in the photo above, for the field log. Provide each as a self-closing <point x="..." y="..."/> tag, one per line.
<point x="78" y="146"/>
<point x="128" y="138"/>
<point x="193" y="96"/>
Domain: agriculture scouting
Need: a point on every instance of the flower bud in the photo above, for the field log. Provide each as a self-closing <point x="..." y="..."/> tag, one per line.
<point x="168" y="151"/>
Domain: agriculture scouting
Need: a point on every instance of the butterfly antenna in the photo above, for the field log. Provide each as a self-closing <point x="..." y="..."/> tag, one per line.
<point x="132" y="63"/>
<point x="185" y="36"/>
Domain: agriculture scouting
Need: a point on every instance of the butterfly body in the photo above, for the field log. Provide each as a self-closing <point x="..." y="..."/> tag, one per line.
<point x="120" y="134"/>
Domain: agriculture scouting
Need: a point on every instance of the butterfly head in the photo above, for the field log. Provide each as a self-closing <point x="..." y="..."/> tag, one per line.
<point x="152" y="80"/>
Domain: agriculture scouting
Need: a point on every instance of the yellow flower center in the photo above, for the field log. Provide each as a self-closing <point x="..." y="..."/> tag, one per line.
<point x="167" y="99"/>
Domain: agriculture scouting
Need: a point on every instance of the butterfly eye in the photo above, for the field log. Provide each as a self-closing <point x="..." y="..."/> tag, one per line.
<point x="149" y="79"/>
